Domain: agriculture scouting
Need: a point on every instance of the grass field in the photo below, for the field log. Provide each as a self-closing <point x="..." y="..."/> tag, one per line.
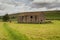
<point x="15" y="31"/>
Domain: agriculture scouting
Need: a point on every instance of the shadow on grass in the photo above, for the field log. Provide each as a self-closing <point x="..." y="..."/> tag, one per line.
<point x="14" y="35"/>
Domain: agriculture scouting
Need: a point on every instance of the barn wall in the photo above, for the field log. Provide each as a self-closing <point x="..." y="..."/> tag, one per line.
<point x="31" y="17"/>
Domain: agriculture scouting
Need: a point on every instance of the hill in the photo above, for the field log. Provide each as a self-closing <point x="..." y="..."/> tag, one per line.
<point x="49" y="15"/>
<point x="52" y="15"/>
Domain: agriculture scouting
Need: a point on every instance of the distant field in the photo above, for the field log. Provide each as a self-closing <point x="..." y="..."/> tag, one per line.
<point x="15" y="31"/>
<point x="52" y="15"/>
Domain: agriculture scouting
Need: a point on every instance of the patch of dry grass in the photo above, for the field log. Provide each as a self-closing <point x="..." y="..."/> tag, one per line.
<point x="39" y="31"/>
<point x="34" y="31"/>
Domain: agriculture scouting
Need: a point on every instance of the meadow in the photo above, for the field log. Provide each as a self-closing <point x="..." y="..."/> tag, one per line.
<point x="15" y="31"/>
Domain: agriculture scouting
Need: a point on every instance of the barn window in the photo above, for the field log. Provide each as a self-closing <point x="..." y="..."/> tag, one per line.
<point x="31" y="16"/>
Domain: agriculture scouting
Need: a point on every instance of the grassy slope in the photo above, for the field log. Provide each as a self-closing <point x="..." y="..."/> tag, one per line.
<point x="52" y="15"/>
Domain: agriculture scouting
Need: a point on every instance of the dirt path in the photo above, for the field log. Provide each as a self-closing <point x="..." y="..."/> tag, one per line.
<point x="14" y="35"/>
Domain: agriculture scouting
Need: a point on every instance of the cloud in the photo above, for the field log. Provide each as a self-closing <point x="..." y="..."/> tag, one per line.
<point x="14" y="6"/>
<point x="45" y="3"/>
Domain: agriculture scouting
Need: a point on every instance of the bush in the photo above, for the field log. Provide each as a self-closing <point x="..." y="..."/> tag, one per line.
<point x="6" y="18"/>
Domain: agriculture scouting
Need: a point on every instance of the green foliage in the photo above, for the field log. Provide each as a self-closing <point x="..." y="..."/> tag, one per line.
<point x="6" y="18"/>
<point x="0" y="17"/>
<point x="13" y="17"/>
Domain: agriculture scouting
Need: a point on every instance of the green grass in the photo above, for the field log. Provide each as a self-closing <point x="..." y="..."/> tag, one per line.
<point x="40" y="31"/>
<point x="14" y="35"/>
<point x="15" y="31"/>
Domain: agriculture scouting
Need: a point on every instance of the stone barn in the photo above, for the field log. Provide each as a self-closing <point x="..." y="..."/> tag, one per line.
<point x="31" y="17"/>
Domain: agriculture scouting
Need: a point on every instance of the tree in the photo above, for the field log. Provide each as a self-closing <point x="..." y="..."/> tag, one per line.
<point x="6" y="18"/>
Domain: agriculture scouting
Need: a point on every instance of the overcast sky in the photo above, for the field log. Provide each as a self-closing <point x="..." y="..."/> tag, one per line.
<point x="15" y="6"/>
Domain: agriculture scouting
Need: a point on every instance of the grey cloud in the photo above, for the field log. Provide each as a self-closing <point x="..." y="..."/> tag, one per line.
<point x="11" y="6"/>
<point x="54" y="4"/>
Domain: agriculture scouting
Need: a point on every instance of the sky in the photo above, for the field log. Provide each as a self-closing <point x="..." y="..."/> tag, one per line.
<point x="16" y="6"/>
